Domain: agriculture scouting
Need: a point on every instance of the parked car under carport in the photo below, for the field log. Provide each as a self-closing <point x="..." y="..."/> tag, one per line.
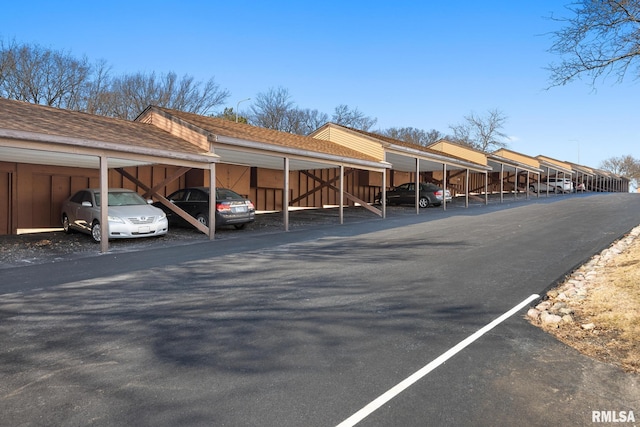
<point x="231" y="207"/>
<point x="129" y="215"/>
<point x="430" y="195"/>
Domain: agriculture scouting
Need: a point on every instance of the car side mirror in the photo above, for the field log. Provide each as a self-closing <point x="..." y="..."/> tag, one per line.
<point x="149" y="201"/>
<point x="87" y="204"/>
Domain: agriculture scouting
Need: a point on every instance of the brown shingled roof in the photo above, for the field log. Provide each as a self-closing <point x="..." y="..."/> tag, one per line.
<point x="405" y="144"/>
<point x="25" y="117"/>
<point x="228" y="128"/>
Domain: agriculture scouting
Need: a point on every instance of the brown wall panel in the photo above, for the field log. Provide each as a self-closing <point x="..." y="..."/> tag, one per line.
<point x="60" y="190"/>
<point x="270" y="178"/>
<point x="41" y="208"/>
<point x="6" y="199"/>
<point x="234" y="177"/>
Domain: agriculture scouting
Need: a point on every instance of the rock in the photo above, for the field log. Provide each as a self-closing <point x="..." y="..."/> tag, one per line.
<point x="550" y="319"/>
<point x="558" y="306"/>
<point x="552" y="293"/>
<point x="588" y="326"/>
<point x="544" y="305"/>
<point x="567" y="318"/>
<point x="533" y="314"/>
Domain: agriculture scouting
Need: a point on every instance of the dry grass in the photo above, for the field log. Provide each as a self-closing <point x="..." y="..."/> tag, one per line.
<point x="612" y="306"/>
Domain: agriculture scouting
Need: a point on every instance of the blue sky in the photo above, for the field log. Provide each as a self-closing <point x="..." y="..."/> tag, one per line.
<point x="407" y="63"/>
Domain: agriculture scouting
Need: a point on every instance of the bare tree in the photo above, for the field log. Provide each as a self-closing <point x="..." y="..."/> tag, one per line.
<point x="130" y="94"/>
<point x="413" y="135"/>
<point x="626" y="166"/>
<point x="38" y="75"/>
<point x="271" y="109"/>
<point x="344" y="116"/>
<point x="482" y="133"/>
<point x="274" y="109"/>
<point x="598" y="39"/>
<point x="43" y="76"/>
<point x="308" y="120"/>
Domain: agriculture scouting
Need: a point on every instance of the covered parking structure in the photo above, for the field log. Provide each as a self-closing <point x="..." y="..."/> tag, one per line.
<point x="606" y="181"/>
<point x="412" y="161"/>
<point x="47" y="154"/>
<point x="507" y="162"/>
<point x="266" y="149"/>
<point x="583" y="175"/>
<point x="555" y="168"/>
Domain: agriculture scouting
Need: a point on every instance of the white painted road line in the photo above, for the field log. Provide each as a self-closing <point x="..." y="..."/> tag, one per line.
<point x="400" y="387"/>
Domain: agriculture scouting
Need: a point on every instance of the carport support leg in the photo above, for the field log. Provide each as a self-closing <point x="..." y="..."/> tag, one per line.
<point x="466" y="189"/>
<point x="212" y="201"/>
<point x="501" y="182"/>
<point x="285" y="195"/>
<point x="486" y="188"/>
<point x="104" y="205"/>
<point x="341" y="194"/>
<point x="444" y="186"/>
<point x="515" y="185"/>
<point x="384" y="193"/>
<point x="417" y="186"/>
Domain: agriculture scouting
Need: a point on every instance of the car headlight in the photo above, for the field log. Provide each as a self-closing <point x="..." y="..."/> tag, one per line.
<point x="162" y="216"/>
<point x="116" y="219"/>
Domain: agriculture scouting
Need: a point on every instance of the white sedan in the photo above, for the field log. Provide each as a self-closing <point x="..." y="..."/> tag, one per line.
<point x="130" y="216"/>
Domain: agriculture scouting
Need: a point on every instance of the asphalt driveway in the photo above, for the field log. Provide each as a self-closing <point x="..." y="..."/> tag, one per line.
<point x="306" y="328"/>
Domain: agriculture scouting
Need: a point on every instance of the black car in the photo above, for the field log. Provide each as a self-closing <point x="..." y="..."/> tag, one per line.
<point x="430" y="195"/>
<point x="231" y="208"/>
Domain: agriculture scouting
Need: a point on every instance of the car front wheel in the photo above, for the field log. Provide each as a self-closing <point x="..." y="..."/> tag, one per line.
<point x="96" y="232"/>
<point x="65" y="224"/>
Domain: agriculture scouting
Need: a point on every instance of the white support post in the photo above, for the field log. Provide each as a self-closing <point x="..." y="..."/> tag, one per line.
<point x="417" y="186"/>
<point x="212" y="201"/>
<point x="341" y="209"/>
<point x="444" y="186"/>
<point x="501" y="182"/>
<point x="384" y="193"/>
<point x="104" y="204"/>
<point x="466" y="189"/>
<point x="486" y="188"/>
<point x="285" y="195"/>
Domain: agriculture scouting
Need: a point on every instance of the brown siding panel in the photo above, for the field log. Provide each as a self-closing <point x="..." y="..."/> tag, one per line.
<point x="6" y="196"/>
<point x="40" y="201"/>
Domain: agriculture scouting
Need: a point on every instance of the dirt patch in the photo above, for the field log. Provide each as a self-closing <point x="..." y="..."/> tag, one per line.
<point x="597" y="310"/>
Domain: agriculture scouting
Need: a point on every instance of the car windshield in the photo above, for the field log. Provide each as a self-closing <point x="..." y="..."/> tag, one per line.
<point x="122" y="198"/>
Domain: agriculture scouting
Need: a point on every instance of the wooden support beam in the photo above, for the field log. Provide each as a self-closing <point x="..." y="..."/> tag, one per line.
<point x="149" y="192"/>
<point x="347" y="195"/>
<point x="184" y="215"/>
<point x="154" y="192"/>
<point x="323" y="183"/>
